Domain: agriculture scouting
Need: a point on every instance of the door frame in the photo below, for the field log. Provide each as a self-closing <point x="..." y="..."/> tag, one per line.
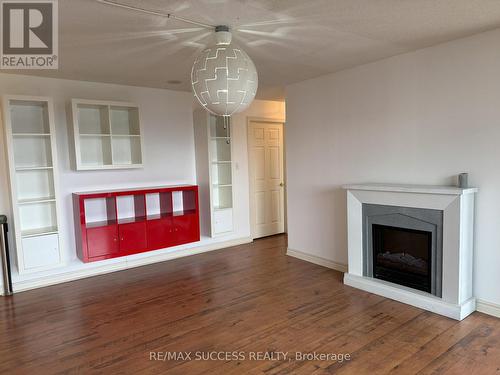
<point x="250" y="181"/>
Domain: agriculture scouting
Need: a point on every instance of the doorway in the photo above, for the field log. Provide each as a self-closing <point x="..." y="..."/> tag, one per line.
<point x="267" y="178"/>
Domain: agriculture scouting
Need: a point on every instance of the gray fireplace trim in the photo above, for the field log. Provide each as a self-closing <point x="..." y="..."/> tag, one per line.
<point x="409" y="218"/>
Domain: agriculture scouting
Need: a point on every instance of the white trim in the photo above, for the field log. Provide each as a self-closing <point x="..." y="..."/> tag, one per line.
<point x="128" y="262"/>
<point x="317" y="260"/>
<point x="489" y="308"/>
<point x="249" y="120"/>
<point x="411" y="297"/>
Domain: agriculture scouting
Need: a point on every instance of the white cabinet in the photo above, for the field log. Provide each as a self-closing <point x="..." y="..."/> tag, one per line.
<point x="223" y="221"/>
<point x="35" y="259"/>
<point x="107" y="135"/>
<point x="31" y="151"/>
<point x="214" y="169"/>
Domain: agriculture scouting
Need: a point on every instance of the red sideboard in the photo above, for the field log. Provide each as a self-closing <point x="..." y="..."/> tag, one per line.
<point x="110" y="224"/>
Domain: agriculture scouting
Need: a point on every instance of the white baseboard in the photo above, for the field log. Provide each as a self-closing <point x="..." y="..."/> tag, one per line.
<point x="412" y="297"/>
<point x="317" y="260"/>
<point x="128" y="262"/>
<point x="488" y="308"/>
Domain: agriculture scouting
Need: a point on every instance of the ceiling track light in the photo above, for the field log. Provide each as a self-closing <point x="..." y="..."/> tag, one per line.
<point x="154" y="13"/>
<point x="223" y="77"/>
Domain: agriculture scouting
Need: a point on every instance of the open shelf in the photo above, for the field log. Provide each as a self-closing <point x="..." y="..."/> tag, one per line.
<point x="126" y="150"/>
<point x="33" y="168"/>
<point x="29" y="117"/>
<point x="103" y="223"/>
<point x="38" y="232"/>
<point x="222" y="196"/>
<point x="222" y="208"/>
<point x="95" y="151"/>
<point x="107" y="135"/>
<point x="159" y="205"/>
<point x="100" y="211"/>
<point x="222" y="174"/>
<point x="159" y="216"/>
<point x="32" y="151"/>
<point x="128" y="220"/>
<point x="36" y="216"/>
<point x="93" y="119"/>
<point x="131" y="208"/>
<point x="220" y="150"/>
<point x="36" y="200"/>
<point x="31" y="135"/>
<point x="95" y="135"/>
<point x="34" y="184"/>
<point x="124" y="121"/>
<point x="184" y="213"/>
<point x="219" y="127"/>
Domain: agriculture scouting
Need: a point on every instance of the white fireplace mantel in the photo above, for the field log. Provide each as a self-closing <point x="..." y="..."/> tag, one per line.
<point x="457" y="204"/>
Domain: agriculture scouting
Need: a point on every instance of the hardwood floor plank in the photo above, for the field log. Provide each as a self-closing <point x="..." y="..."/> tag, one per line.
<point x="249" y="298"/>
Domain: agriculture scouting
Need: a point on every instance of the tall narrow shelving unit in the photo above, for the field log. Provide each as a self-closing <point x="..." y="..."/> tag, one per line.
<point x="107" y="135"/>
<point x="214" y="167"/>
<point x="31" y="150"/>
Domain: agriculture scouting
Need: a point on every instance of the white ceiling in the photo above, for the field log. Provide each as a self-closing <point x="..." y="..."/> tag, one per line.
<point x="289" y="40"/>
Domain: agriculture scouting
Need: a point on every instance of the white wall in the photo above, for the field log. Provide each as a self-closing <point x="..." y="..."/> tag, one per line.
<point x="168" y="141"/>
<point x="421" y="118"/>
<point x="169" y="156"/>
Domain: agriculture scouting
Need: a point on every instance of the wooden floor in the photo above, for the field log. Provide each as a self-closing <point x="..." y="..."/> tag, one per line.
<point x="246" y="299"/>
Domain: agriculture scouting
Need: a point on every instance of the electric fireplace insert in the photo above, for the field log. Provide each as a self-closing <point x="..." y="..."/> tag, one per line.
<point x="402" y="256"/>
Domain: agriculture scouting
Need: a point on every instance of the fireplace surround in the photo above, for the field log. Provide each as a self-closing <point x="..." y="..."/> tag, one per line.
<point x="443" y="215"/>
<point x="397" y="239"/>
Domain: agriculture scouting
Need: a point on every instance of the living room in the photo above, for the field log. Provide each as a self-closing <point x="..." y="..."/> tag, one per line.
<point x="250" y="186"/>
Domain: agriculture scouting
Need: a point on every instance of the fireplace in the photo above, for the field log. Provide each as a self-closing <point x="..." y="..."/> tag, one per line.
<point x="414" y="236"/>
<point x="404" y="245"/>
<point x="403" y="256"/>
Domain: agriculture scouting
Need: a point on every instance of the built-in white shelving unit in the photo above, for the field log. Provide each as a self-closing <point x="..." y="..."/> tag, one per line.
<point x="107" y="134"/>
<point x="32" y="157"/>
<point x="214" y="167"/>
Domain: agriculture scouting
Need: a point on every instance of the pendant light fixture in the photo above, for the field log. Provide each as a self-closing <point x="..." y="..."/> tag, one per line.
<point x="223" y="77"/>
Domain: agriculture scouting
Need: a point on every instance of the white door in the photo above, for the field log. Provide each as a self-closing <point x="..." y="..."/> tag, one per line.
<point x="265" y="141"/>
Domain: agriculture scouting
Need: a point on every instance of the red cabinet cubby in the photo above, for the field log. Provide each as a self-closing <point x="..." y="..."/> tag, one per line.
<point x="111" y="224"/>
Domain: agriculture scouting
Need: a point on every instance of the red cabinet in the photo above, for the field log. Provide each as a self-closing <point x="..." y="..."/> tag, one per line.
<point x="185" y="229"/>
<point x="110" y="224"/>
<point x="102" y="242"/>
<point x="133" y="237"/>
<point x="160" y="233"/>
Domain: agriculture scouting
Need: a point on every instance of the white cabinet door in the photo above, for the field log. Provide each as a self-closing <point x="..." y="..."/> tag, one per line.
<point x="41" y="251"/>
<point x="223" y="221"/>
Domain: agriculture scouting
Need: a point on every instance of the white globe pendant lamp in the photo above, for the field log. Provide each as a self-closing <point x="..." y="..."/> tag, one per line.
<point x="223" y="77"/>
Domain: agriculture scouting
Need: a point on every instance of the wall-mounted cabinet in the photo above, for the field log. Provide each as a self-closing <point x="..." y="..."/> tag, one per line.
<point x="107" y="135"/>
<point x="31" y="150"/>
<point x="111" y="224"/>
<point x="214" y="168"/>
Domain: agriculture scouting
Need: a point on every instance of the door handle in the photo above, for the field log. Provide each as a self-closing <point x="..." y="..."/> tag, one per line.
<point x="282" y="184"/>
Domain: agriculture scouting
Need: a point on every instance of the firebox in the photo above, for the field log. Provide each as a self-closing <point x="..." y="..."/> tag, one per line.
<point x="404" y="245"/>
<point x="402" y="256"/>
